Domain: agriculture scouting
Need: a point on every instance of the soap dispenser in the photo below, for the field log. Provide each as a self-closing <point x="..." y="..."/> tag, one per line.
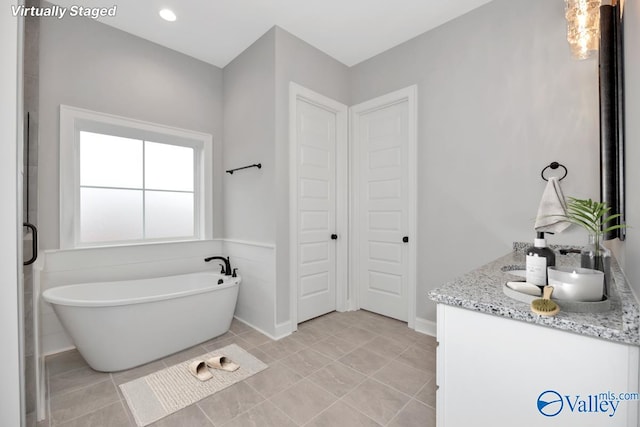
<point x="539" y="257"/>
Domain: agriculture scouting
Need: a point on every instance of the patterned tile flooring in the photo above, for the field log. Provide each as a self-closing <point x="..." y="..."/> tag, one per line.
<point x="341" y="369"/>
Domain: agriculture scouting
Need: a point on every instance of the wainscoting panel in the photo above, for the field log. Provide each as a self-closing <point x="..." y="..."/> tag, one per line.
<point x="256" y="300"/>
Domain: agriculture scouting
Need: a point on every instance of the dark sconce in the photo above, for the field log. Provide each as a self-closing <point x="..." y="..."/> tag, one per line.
<point x="597" y="26"/>
<point x="612" y="156"/>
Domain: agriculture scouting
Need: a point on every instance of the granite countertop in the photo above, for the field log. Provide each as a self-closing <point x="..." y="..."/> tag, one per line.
<point x="481" y="290"/>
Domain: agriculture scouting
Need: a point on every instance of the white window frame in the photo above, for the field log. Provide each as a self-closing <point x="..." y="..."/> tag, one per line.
<point x="73" y="120"/>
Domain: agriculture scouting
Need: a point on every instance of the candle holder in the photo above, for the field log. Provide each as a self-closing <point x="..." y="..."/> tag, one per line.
<point x="576" y="284"/>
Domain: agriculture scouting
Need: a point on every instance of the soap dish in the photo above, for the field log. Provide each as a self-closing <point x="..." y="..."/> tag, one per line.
<point x="516" y="270"/>
<point x="525" y="288"/>
<point x="565" y="305"/>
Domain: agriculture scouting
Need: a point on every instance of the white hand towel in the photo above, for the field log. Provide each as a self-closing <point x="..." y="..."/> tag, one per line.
<point x="552" y="209"/>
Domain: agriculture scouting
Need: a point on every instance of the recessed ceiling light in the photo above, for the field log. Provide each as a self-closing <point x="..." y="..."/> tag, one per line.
<point x="167" y="15"/>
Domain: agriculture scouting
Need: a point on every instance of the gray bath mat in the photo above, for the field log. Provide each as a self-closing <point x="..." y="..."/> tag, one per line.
<point x="164" y="392"/>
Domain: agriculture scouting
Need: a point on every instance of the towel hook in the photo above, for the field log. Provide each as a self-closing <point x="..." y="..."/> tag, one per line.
<point x="554" y="165"/>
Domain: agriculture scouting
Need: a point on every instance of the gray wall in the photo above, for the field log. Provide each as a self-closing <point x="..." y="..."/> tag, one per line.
<point x="499" y="99"/>
<point x="256" y="129"/>
<point x="249" y="137"/>
<point x="299" y="62"/>
<point x="632" y="93"/>
<point x="90" y="65"/>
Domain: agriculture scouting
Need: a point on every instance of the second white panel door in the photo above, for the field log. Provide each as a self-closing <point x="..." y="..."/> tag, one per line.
<point x="381" y="138"/>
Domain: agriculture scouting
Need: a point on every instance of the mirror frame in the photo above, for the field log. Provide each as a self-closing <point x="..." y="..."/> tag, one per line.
<point x="612" y="120"/>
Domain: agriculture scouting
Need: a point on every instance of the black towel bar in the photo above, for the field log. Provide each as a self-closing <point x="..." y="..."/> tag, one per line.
<point x="256" y="165"/>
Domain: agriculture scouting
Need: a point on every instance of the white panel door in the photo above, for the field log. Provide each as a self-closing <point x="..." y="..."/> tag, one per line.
<point x="382" y="145"/>
<point x="316" y="188"/>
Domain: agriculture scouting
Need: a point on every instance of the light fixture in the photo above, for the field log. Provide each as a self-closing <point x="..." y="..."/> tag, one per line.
<point x="167" y="15"/>
<point x="583" y="27"/>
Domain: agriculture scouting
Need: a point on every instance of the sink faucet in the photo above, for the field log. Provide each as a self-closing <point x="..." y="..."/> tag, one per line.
<point x="227" y="264"/>
<point x="570" y="251"/>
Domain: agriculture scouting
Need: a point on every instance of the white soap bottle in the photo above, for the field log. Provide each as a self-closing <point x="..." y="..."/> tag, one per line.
<point x="539" y="257"/>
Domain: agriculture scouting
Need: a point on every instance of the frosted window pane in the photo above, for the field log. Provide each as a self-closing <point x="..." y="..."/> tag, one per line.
<point x="168" y="214"/>
<point x="110" y="161"/>
<point x="168" y="167"/>
<point x="110" y="215"/>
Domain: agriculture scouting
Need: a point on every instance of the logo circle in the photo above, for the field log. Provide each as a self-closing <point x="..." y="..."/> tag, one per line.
<point x="550" y="403"/>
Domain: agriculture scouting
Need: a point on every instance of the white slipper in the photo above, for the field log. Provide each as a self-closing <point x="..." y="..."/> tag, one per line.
<point x="198" y="369"/>
<point x="222" y="362"/>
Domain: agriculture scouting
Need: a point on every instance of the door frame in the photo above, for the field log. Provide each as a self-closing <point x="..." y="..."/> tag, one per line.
<point x="12" y="404"/>
<point x="298" y="92"/>
<point x="410" y="95"/>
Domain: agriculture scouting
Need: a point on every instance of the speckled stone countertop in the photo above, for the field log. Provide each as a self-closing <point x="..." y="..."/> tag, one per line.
<point x="481" y="290"/>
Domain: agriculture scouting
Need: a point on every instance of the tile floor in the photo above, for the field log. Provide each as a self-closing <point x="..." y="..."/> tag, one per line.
<point x="342" y="369"/>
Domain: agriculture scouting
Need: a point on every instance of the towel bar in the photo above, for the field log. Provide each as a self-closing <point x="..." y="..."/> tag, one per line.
<point x="257" y="165"/>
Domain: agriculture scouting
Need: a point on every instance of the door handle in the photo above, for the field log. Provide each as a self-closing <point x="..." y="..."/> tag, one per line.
<point x="334" y="237"/>
<point x="405" y="239"/>
<point x="34" y="243"/>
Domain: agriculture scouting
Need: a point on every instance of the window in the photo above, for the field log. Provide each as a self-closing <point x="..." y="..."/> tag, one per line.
<point x="124" y="181"/>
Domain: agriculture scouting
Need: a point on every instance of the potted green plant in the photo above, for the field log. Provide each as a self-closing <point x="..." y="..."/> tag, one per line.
<point x="594" y="217"/>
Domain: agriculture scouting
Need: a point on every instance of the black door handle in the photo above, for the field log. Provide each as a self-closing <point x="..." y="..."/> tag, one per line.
<point x="405" y="239"/>
<point x="34" y="243"/>
<point x="334" y="237"/>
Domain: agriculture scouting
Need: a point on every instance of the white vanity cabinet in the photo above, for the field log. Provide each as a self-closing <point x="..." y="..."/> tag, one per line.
<point x="491" y="371"/>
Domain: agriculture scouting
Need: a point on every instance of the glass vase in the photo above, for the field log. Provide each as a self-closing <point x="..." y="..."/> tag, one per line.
<point x="597" y="257"/>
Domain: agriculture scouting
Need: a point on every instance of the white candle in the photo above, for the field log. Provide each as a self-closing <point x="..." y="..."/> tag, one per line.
<point x="576" y="284"/>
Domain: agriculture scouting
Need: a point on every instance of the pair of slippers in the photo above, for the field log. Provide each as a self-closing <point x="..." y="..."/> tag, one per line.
<point x="200" y="368"/>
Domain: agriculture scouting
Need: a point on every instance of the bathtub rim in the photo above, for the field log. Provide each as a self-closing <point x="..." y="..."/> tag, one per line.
<point x="49" y="295"/>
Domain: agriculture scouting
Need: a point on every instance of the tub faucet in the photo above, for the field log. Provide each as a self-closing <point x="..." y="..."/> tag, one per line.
<point x="227" y="264"/>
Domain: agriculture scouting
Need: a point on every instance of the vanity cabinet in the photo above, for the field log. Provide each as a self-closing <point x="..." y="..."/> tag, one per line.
<point x="494" y="371"/>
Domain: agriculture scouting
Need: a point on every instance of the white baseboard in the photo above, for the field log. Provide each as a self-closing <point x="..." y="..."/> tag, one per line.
<point x="282" y="329"/>
<point x="57" y="351"/>
<point x="425" y="326"/>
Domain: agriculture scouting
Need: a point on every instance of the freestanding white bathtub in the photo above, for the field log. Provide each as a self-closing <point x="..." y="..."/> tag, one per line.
<point x="120" y="325"/>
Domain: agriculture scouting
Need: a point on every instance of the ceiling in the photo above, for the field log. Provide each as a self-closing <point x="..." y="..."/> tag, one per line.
<point x="216" y="31"/>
